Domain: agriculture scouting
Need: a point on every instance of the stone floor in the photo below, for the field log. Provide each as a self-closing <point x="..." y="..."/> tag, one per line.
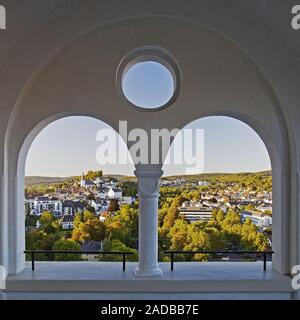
<point x="186" y="277"/>
<point x="94" y="270"/>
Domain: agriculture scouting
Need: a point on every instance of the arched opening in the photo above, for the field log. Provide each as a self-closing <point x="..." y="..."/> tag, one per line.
<point x="219" y="198"/>
<point x="78" y="196"/>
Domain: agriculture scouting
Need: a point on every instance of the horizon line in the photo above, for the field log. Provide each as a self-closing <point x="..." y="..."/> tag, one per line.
<point x="125" y="175"/>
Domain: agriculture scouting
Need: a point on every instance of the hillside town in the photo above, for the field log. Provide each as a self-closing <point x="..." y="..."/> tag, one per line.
<point x="97" y="195"/>
<point x="94" y="195"/>
<point x="95" y="212"/>
<point x="253" y="204"/>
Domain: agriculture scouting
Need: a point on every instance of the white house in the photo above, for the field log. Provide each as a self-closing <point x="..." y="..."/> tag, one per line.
<point x="114" y="193"/>
<point x="97" y="204"/>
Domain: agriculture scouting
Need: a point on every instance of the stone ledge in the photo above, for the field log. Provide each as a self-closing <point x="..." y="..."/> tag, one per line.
<point x="187" y="277"/>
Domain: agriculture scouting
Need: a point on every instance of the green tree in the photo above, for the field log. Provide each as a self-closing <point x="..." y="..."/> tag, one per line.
<point x="232" y="227"/>
<point x="170" y="218"/>
<point x="66" y="245"/>
<point x="178" y="234"/>
<point x="92" y="229"/>
<point x="88" y="215"/>
<point x="161" y="216"/>
<point x="129" y="188"/>
<point x="220" y="216"/>
<point x="92" y="175"/>
<point x="197" y="239"/>
<point x="249" y="234"/>
<point x="250" y="207"/>
<point x="123" y="226"/>
<point x="39" y="240"/>
<point x="48" y="223"/>
<point x="117" y="245"/>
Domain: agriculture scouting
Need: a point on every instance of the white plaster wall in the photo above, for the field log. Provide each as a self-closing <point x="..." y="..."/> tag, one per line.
<point x="80" y="79"/>
<point x="254" y="76"/>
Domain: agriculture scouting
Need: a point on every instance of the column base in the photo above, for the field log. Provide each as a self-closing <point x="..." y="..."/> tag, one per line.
<point x="148" y="273"/>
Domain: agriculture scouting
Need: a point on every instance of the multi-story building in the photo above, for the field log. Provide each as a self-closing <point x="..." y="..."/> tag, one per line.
<point x="41" y="204"/>
<point x="260" y="219"/>
<point x="194" y="214"/>
<point x="70" y="207"/>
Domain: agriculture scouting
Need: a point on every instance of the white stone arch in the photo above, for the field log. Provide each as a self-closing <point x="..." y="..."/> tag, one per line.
<point x="16" y="222"/>
<point x="215" y="72"/>
<point x="280" y="237"/>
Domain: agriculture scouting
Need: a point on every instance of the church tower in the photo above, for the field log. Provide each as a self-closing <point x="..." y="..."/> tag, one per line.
<point x="82" y="181"/>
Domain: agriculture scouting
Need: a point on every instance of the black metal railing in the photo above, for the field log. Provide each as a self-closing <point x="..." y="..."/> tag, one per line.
<point x="264" y="253"/>
<point x="50" y="252"/>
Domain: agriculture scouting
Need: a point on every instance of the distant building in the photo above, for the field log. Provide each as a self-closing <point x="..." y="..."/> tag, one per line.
<point x="194" y="214"/>
<point x="42" y="204"/>
<point x="104" y="206"/>
<point x="102" y="192"/>
<point x="98" y="182"/>
<point x="127" y="200"/>
<point x="114" y="193"/>
<point x="265" y="208"/>
<point x="70" y="207"/>
<point x="97" y="204"/>
<point x="191" y="203"/>
<point x="260" y="219"/>
<point x="203" y="183"/>
<point x="87" y="184"/>
<point x="67" y="222"/>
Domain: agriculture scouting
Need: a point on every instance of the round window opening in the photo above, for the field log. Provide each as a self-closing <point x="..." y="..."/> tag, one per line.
<point x="148" y="85"/>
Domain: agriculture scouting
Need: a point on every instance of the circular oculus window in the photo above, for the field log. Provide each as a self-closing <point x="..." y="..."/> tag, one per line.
<point x="148" y="81"/>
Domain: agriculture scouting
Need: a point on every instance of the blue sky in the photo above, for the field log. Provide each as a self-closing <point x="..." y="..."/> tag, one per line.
<point x="151" y="91"/>
<point x="68" y="146"/>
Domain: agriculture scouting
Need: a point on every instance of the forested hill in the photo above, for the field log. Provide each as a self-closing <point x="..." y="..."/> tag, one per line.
<point x="32" y="180"/>
<point x="40" y="180"/>
<point x="204" y="176"/>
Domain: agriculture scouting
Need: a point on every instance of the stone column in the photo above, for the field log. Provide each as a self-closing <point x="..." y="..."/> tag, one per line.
<point x="148" y="192"/>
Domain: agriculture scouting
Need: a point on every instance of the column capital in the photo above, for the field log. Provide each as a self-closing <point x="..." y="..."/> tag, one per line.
<point x="148" y="180"/>
<point x="148" y="170"/>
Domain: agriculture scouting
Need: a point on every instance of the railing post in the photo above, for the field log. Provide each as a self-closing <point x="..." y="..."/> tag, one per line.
<point x="172" y="261"/>
<point x="124" y="262"/>
<point x="265" y="261"/>
<point x="32" y="261"/>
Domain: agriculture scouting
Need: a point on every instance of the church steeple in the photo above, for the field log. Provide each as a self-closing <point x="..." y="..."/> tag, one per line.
<point x="82" y="182"/>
